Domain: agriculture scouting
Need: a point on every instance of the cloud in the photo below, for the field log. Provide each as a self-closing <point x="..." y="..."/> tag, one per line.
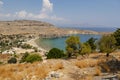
<point x="21" y="14"/>
<point x="47" y="7"/>
<point x="46" y="13"/>
<point x="1" y="4"/>
<point x="5" y="15"/>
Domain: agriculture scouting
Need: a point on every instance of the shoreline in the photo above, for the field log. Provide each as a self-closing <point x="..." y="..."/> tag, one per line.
<point x="34" y="44"/>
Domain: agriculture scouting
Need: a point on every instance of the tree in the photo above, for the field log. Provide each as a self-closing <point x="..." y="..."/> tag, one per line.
<point x="73" y="45"/>
<point x="55" y="53"/>
<point x="117" y="37"/>
<point x="107" y="44"/>
<point x="92" y="44"/>
<point x="85" y="49"/>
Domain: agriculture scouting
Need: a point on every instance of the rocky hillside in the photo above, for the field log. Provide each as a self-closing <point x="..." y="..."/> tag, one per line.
<point x="36" y="27"/>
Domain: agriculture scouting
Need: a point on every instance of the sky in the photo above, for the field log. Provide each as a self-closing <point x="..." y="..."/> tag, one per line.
<point x="63" y="12"/>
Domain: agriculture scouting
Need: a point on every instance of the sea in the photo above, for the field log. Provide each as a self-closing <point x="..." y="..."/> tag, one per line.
<point x="60" y="42"/>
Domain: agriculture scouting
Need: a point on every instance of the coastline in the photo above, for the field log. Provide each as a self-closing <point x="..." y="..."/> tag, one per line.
<point x="39" y="42"/>
<point x="34" y="44"/>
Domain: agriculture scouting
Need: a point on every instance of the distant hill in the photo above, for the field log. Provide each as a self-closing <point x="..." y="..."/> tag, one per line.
<point x="37" y="27"/>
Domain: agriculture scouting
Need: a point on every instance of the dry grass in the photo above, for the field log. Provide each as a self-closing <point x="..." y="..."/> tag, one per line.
<point x="105" y="67"/>
<point x="27" y="71"/>
<point x="87" y="63"/>
<point x="98" y="71"/>
<point x="57" y="66"/>
<point x="88" y="77"/>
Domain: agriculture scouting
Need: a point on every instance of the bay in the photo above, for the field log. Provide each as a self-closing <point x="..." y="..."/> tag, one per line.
<point x="60" y="42"/>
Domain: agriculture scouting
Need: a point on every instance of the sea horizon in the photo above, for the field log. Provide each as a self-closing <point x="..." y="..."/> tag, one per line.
<point x="97" y="29"/>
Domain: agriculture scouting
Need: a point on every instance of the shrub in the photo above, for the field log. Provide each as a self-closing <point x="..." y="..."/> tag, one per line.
<point x="35" y="49"/>
<point x="1" y="62"/>
<point x="12" y="60"/>
<point x="55" y="53"/>
<point x="33" y="57"/>
<point x="26" y="46"/>
<point x="23" y="59"/>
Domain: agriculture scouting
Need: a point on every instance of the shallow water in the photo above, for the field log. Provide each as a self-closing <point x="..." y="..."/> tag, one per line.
<point x="60" y="42"/>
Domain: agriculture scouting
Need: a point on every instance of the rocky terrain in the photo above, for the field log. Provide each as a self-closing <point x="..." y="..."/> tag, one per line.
<point x="18" y="37"/>
<point x="92" y="67"/>
<point x="37" y="27"/>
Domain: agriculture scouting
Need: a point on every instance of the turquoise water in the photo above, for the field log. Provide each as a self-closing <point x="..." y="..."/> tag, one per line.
<point x="60" y="42"/>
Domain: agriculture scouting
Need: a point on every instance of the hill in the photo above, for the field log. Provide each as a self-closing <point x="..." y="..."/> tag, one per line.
<point x="37" y="27"/>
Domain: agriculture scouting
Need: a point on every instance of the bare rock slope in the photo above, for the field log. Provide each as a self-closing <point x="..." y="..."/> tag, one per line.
<point x="36" y="27"/>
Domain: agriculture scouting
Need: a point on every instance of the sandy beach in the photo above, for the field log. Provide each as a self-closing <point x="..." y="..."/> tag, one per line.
<point x="34" y="44"/>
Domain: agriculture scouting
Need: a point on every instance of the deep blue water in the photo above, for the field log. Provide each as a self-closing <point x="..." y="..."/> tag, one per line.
<point x="60" y="42"/>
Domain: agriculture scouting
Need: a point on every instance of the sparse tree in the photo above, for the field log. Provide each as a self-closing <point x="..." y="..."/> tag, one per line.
<point x="85" y="49"/>
<point x="107" y="44"/>
<point x="117" y="37"/>
<point x="92" y="43"/>
<point x="73" y="45"/>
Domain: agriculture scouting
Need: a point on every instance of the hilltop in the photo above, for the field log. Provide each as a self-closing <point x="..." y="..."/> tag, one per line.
<point x="37" y="27"/>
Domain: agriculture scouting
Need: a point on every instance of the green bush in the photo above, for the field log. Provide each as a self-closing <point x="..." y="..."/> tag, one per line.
<point x="55" y="53"/>
<point x="92" y="44"/>
<point x="73" y="45"/>
<point x="107" y="44"/>
<point x="26" y="46"/>
<point x="12" y="60"/>
<point x="33" y="57"/>
<point x="116" y="34"/>
<point x="1" y="62"/>
<point x="85" y="49"/>
<point x="23" y="59"/>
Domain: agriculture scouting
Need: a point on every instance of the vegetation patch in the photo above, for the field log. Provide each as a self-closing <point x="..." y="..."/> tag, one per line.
<point x="55" y="53"/>
<point x="12" y="60"/>
<point x="33" y="58"/>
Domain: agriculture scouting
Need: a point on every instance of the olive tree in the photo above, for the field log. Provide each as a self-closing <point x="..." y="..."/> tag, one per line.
<point x="116" y="34"/>
<point x="107" y="44"/>
<point x="73" y="45"/>
<point x="92" y="43"/>
<point x="85" y="49"/>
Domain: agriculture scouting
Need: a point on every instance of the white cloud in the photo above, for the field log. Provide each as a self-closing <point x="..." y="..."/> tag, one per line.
<point x="21" y="14"/>
<point x="46" y="13"/>
<point x="47" y="7"/>
<point x="1" y="4"/>
<point x="5" y="15"/>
